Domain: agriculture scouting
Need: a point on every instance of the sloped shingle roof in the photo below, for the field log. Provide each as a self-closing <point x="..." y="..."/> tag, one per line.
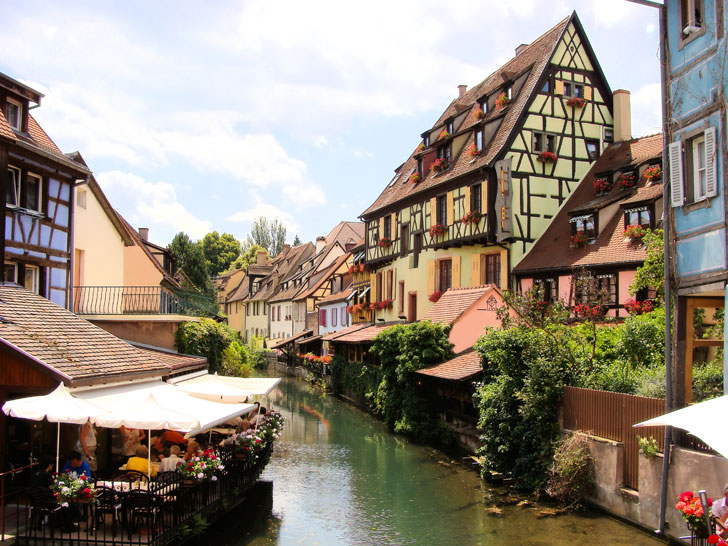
<point x="464" y="366"/>
<point x="454" y="302"/>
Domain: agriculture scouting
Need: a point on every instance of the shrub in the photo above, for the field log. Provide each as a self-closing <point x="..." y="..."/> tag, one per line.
<point x="651" y="381"/>
<point x="236" y="360"/>
<point x="648" y="446"/>
<point x="572" y="472"/>
<point x="205" y="338"/>
<point x="708" y="380"/>
<point x="642" y="339"/>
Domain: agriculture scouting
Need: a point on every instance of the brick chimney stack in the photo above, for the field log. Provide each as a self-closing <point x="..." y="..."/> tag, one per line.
<point x="462" y="89"/>
<point x="144" y="233"/>
<point x="622" y="115"/>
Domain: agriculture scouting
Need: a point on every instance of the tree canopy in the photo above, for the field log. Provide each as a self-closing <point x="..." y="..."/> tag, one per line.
<point x="270" y="234"/>
<point x="220" y="251"/>
<point x="191" y="259"/>
<point x="246" y="258"/>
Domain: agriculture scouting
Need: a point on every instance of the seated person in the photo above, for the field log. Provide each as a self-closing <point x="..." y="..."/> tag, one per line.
<point x="193" y="450"/>
<point x="43" y="475"/>
<point x="169" y="464"/>
<point x="139" y="462"/>
<point x="75" y="463"/>
<point x="720" y="512"/>
<point x="168" y="438"/>
<point x="258" y="417"/>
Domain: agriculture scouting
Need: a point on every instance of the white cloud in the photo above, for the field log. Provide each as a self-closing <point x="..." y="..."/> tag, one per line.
<point x="646" y="107"/>
<point x="321" y="141"/>
<point x="268" y="211"/>
<point x="153" y="204"/>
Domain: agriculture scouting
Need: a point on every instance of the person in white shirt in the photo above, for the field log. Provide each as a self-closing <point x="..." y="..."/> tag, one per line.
<point x="720" y="510"/>
<point x="169" y="464"/>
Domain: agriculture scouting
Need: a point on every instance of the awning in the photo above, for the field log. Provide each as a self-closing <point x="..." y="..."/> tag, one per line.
<point x="308" y="340"/>
<point x="256" y="386"/>
<point x="292" y="339"/>
<point x="217" y="388"/>
<point x="60" y="406"/>
<point x="364" y="291"/>
<point x="351" y="296"/>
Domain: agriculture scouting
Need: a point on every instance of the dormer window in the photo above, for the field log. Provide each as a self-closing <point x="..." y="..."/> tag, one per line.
<point x="426" y="140"/>
<point x="419" y="166"/>
<point x="638" y="216"/>
<point x="479" y="140"/>
<point x="586" y="225"/>
<point x="14" y="114"/>
<point x="444" y="152"/>
<point x="449" y="126"/>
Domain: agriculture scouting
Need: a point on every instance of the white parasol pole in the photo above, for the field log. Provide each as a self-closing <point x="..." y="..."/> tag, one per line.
<point x="149" y="454"/>
<point x="58" y="444"/>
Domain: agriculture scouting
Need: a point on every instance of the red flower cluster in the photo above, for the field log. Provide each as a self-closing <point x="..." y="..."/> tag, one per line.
<point x="547" y="157"/>
<point x="356" y="268"/>
<point x="602" y="185"/>
<point x="588" y="311"/>
<point x="421" y="147"/>
<point x="478" y="113"/>
<point x="415" y="178"/>
<point x="576" y="102"/>
<point x="437" y="229"/>
<point x="579" y="239"/>
<point x="627" y="180"/>
<point x="692" y="509"/>
<point x="502" y="101"/>
<point x="436" y="295"/>
<point x="444" y="133"/>
<point x="384" y="242"/>
<point x="653" y="173"/>
<point x="638" y="307"/>
<point x="440" y="164"/>
<point x="378" y="305"/>
<point x="635" y="232"/>
<point x="473" y="217"/>
<point x="352" y="309"/>
<point x="473" y="151"/>
<point x="313" y="359"/>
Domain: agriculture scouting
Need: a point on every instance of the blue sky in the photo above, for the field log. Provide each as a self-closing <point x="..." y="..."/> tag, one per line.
<point x="202" y="116"/>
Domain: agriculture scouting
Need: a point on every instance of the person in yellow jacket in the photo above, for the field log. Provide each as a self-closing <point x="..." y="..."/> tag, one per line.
<point x="139" y="462"/>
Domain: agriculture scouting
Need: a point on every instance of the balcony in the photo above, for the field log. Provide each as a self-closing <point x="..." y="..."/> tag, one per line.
<point x="140" y="300"/>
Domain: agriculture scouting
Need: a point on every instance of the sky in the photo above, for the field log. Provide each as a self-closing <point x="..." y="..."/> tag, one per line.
<point x="203" y="116"/>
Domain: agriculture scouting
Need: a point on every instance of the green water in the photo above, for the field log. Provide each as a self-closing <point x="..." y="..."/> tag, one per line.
<point x="340" y="478"/>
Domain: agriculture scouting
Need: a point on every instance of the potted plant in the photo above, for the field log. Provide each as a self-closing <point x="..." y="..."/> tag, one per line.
<point x="546" y="157"/>
<point x="692" y="511"/>
<point x="435" y="296"/>
<point x="72" y="487"/>
<point x="437" y="229"/>
<point x="635" y="232"/>
<point x="653" y="173"/>
<point x="385" y="242"/>
<point x="415" y="177"/>
<point x="579" y="239"/>
<point x="602" y="185"/>
<point x="634" y="307"/>
<point x="421" y="147"/>
<point x="361" y="268"/>
<point x="627" y="180"/>
<point x="502" y="101"/>
<point x="478" y="113"/>
<point x="473" y="151"/>
<point x="472" y="217"/>
<point x="584" y="310"/>
<point x="444" y="134"/>
<point x="440" y="164"/>
<point x="576" y="102"/>
<point x="246" y="443"/>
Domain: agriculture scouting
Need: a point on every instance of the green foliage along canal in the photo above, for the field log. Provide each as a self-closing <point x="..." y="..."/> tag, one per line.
<point x="339" y="477"/>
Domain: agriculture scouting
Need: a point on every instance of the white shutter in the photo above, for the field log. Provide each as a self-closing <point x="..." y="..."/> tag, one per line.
<point x="677" y="193"/>
<point x="711" y="186"/>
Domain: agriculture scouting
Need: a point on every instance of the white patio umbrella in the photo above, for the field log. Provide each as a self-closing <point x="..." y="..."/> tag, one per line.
<point x="217" y="388"/>
<point x="57" y="407"/>
<point x="704" y="420"/>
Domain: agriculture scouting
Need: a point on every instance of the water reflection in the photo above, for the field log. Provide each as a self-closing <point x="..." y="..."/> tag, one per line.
<point x="341" y="478"/>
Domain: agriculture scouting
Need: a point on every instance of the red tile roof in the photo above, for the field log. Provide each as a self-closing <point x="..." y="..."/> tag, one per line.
<point x="292" y="339"/>
<point x="533" y="61"/>
<point x="454" y="302"/>
<point x="335" y="297"/>
<point x="66" y="344"/>
<point x="176" y="361"/>
<point x="464" y="366"/>
<point x="553" y="250"/>
<point x="6" y="130"/>
<point x="362" y="335"/>
<point x="333" y="336"/>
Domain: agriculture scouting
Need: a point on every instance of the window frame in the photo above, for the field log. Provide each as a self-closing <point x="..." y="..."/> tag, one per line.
<point x="598" y="148"/>
<point x="387" y="229"/>
<point x="26" y="189"/>
<point x="550" y="288"/>
<point x="441" y="210"/>
<point x="581" y="221"/>
<point x="574" y="89"/>
<point x="639" y="211"/>
<point x="541" y="138"/>
<point x="699" y="166"/>
<point x="8" y="102"/>
<point x="694" y="27"/>
<point x="81" y="198"/>
<point x="444" y="265"/>
<point x="35" y="277"/>
<point x="15" y="272"/>
<point x="476" y="198"/>
<point x="492" y="271"/>
<point x="18" y="172"/>
<point x="478" y="139"/>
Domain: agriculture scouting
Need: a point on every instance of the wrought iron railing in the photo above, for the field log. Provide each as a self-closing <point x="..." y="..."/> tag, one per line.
<point x="140" y="300"/>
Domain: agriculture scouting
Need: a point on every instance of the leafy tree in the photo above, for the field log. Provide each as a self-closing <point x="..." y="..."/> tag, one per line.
<point x="191" y="259"/>
<point x="652" y="273"/>
<point x="271" y="235"/>
<point x="220" y="251"/>
<point x="248" y="257"/>
<point x="206" y="338"/>
<point x="236" y="360"/>
<point x="296" y="240"/>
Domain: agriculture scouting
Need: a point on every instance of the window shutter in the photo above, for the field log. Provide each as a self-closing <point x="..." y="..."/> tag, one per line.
<point x="431" y="265"/>
<point x="456" y="271"/>
<point x="322" y="318"/>
<point x="433" y="211"/>
<point x="558" y="87"/>
<point x="587" y="92"/>
<point x="381" y="228"/>
<point x="711" y="186"/>
<point x="475" y="270"/>
<point x="450" y="208"/>
<point x="372" y="287"/>
<point x="468" y="203"/>
<point x="393" y="223"/>
<point x="677" y="193"/>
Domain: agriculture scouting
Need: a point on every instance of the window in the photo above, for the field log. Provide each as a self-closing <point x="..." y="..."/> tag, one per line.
<point x="601" y="288"/>
<point x="445" y="152"/>
<point x="404" y="240"/>
<point x="543" y="142"/>
<point x="30" y="278"/>
<point x="691" y="17"/>
<point x="387" y="230"/>
<point x="445" y="275"/>
<point x="640" y="216"/>
<point x="441" y="217"/>
<point x="322" y="318"/>
<point x="390" y="284"/>
<point x="696" y="171"/>
<point x="592" y="149"/>
<point x="10" y="272"/>
<point x="400" y="298"/>
<point x="33" y="187"/>
<point x="12" y="192"/>
<point x="479" y="140"/>
<point x="492" y="269"/>
<point x="547" y="289"/>
<point x="380" y="288"/>
<point x="608" y="135"/>
<point x="247" y="309"/>
<point x="426" y="140"/>
<point x="484" y="105"/>
<point x="572" y="89"/>
<point x="606" y="289"/>
<point x="584" y="224"/>
<point x="418" y="249"/>
<point x="14" y="114"/>
<point x="476" y="198"/>
<point x="81" y="199"/>
<point x="419" y="166"/>
<point x="509" y="92"/>
<point x="334" y="316"/>
<point x="344" y="317"/>
<point x="449" y="126"/>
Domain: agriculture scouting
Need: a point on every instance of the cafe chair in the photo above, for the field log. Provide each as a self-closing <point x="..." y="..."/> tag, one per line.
<point x="132" y="476"/>
<point x="109" y="502"/>
<point x="43" y="505"/>
<point x="142" y="507"/>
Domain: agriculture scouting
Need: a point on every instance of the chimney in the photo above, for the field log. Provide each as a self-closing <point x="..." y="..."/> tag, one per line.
<point x="622" y="116"/>
<point x="320" y="243"/>
<point x="520" y="49"/>
<point x="462" y="89"/>
<point x="262" y="258"/>
<point x="144" y="233"/>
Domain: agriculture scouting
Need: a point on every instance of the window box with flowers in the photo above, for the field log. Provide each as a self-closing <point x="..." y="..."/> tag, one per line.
<point x="444" y="134"/>
<point x="435" y="296"/>
<point x="473" y="151"/>
<point x="478" y="113"/>
<point x="473" y="217"/>
<point x="546" y="157"/>
<point x="635" y="233"/>
<point x="576" y="102"/>
<point x="584" y="310"/>
<point x="385" y="242"/>
<point x="380" y="305"/>
<point x="602" y="185"/>
<point x="437" y="229"/>
<point x="421" y="147"/>
<point x="634" y="307"/>
<point x="415" y="178"/>
<point x="627" y="180"/>
<point x="653" y="174"/>
<point x="579" y="239"/>
<point x="502" y="101"/>
<point x="439" y="165"/>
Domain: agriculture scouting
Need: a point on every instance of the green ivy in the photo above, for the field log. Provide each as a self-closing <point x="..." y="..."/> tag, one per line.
<point x="205" y="338"/>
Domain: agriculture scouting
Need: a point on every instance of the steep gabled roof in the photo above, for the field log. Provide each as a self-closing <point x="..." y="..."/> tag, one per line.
<point x="553" y="250"/>
<point x="454" y="302"/>
<point x="346" y="233"/>
<point x="284" y="266"/>
<point x="531" y="65"/>
<point x="325" y="276"/>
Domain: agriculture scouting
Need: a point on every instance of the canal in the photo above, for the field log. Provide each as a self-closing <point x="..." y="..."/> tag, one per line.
<point x="340" y="478"/>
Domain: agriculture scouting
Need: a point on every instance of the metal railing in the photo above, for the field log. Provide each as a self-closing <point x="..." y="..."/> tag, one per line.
<point x="140" y="300"/>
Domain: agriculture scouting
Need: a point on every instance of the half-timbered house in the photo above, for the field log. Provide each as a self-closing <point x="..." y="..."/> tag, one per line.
<point x="489" y="175"/>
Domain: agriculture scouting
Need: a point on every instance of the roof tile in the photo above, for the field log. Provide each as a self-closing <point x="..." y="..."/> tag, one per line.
<point x="464" y="366"/>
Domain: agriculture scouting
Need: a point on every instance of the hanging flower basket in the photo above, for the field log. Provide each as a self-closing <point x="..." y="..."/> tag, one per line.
<point x="635" y="232"/>
<point x="478" y="113"/>
<point x="579" y="239"/>
<point x="472" y="217"/>
<point x="439" y="165"/>
<point x="385" y="242"/>
<point x="502" y="101"/>
<point x="437" y="229"/>
<point x="602" y="185"/>
<point x="627" y="180"/>
<point x="444" y="133"/>
<point x="421" y="147"/>
<point x="473" y="151"/>
<point x="547" y="157"/>
<point x="415" y="178"/>
<point x="435" y="296"/>
<point x="653" y="173"/>
<point x="576" y="102"/>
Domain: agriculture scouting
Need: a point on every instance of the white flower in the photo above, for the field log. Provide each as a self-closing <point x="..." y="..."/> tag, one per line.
<point x="64" y="504"/>
<point x="221" y="467"/>
<point x="200" y="475"/>
<point x="214" y="478"/>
